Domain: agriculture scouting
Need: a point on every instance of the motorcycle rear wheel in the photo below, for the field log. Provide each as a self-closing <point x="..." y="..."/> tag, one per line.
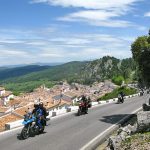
<point x="79" y="112"/>
<point x="42" y="130"/>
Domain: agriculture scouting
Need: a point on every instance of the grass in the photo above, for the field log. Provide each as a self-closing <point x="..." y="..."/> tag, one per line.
<point x="137" y="139"/>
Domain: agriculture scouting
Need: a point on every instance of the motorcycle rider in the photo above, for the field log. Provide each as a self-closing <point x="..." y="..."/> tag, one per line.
<point x="36" y="105"/>
<point x="89" y="102"/>
<point x="38" y="113"/>
<point x="40" y="116"/>
<point x="44" y="112"/>
<point x="85" y="103"/>
<point x="121" y="95"/>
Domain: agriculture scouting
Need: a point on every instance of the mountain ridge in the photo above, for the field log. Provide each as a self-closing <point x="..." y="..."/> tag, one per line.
<point x="86" y="72"/>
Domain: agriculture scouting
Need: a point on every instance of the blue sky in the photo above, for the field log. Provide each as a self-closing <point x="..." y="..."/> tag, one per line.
<point x="66" y="30"/>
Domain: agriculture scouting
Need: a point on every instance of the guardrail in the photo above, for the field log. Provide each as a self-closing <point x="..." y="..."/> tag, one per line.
<point x="12" y="125"/>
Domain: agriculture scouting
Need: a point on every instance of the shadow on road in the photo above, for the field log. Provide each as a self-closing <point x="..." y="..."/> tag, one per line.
<point x="20" y="138"/>
<point x="113" y="119"/>
<point x="76" y="114"/>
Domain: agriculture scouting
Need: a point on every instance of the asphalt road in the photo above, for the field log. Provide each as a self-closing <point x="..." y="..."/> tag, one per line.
<point x="72" y="132"/>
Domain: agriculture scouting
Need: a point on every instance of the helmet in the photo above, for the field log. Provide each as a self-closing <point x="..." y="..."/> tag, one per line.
<point x="41" y="104"/>
<point x="83" y="97"/>
<point x="36" y="105"/>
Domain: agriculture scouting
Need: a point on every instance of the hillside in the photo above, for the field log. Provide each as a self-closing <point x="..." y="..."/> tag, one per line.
<point x="26" y="83"/>
<point x="3" y="68"/>
<point x="106" y="68"/>
<point x="6" y="73"/>
<point x="54" y="73"/>
<point x="82" y="72"/>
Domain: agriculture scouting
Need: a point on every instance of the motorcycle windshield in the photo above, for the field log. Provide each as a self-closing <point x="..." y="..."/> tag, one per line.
<point x="28" y="121"/>
<point x="24" y="122"/>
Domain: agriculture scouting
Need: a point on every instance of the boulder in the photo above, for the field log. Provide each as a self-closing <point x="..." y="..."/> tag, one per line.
<point x="143" y="121"/>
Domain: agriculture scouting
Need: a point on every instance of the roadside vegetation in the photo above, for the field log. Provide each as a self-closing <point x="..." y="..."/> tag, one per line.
<point x="118" y="80"/>
<point x="126" y="90"/>
<point x="140" y="141"/>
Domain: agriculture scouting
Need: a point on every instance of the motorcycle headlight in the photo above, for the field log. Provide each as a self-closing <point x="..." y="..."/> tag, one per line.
<point x="33" y="123"/>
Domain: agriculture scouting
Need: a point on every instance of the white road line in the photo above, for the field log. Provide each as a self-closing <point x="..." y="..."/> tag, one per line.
<point x="107" y="130"/>
<point x="97" y="137"/>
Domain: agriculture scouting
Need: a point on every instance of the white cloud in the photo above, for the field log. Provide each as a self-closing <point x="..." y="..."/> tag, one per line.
<point x="147" y="14"/>
<point x="65" y="47"/>
<point x="91" y="15"/>
<point x="112" y="23"/>
<point x="96" y="12"/>
<point x="16" y="53"/>
<point x="71" y="40"/>
<point x="10" y="41"/>
<point x="89" y="4"/>
<point x="98" y="46"/>
<point x="36" y="42"/>
<point x="49" y="55"/>
<point x="51" y="52"/>
<point x="97" y="18"/>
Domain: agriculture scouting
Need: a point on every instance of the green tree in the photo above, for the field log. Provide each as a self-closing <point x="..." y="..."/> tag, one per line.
<point x="141" y="54"/>
<point x="118" y="80"/>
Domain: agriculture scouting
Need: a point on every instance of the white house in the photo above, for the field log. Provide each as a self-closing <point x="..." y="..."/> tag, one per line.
<point x="6" y="97"/>
<point x="2" y="91"/>
<point x="74" y="96"/>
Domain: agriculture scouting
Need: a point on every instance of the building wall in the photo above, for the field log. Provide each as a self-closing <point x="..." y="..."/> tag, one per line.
<point x="2" y="92"/>
<point x="7" y="99"/>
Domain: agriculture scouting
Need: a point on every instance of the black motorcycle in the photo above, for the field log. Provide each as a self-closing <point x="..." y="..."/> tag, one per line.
<point x="141" y="93"/>
<point x="148" y="91"/>
<point x="120" y="99"/>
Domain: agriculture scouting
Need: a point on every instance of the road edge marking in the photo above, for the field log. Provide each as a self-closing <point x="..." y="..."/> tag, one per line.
<point x="96" y="140"/>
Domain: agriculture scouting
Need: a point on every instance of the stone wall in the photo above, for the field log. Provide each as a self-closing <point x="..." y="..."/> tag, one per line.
<point x="141" y="125"/>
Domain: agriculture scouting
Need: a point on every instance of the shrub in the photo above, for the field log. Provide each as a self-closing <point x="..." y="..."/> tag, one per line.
<point x="118" y="80"/>
<point x="127" y="91"/>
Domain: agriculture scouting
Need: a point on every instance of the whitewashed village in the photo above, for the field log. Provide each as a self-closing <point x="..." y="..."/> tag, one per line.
<point x="56" y="99"/>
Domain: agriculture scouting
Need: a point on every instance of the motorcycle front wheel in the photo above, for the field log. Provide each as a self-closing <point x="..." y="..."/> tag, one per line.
<point x="25" y="133"/>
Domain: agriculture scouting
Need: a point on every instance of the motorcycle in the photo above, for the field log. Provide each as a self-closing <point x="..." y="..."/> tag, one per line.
<point x="141" y="93"/>
<point x="120" y="99"/>
<point x="83" y="109"/>
<point x="30" y="126"/>
<point x="148" y="91"/>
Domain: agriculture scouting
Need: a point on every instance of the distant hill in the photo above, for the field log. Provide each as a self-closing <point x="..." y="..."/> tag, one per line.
<point x="48" y="64"/>
<point x="3" y="68"/>
<point x="32" y="64"/>
<point x="48" y="76"/>
<point x="6" y="73"/>
<point x="53" y="73"/>
<point x="82" y="72"/>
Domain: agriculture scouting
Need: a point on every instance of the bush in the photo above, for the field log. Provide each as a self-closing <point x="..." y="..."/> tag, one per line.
<point x="127" y="91"/>
<point x="118" y="80"/>
<point x="16" y="93"/>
